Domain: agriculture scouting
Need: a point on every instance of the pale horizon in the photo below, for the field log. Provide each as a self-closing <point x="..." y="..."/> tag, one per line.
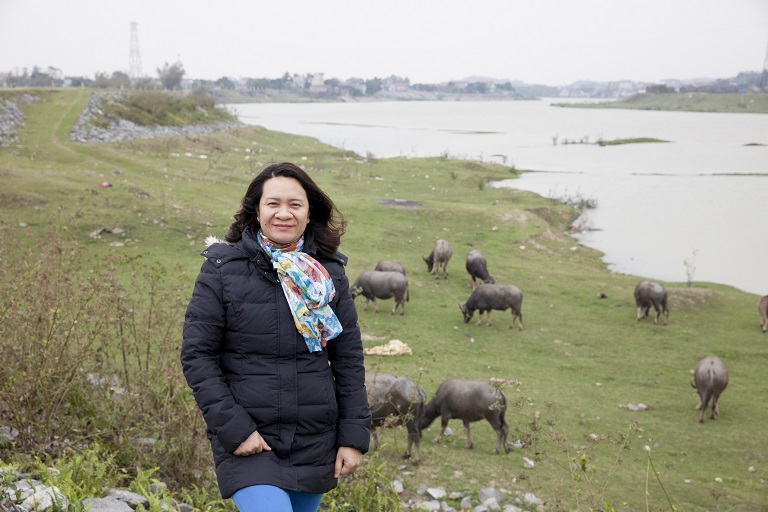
<point x="546" y="42"/>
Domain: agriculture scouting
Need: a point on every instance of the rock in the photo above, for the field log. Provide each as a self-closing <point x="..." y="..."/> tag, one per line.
<point x="530" y="499"/>
<point x="22" y="489"/>
<point x="45" y="498"/>
<point x="106" y="505"/>
<point x="437" y="492"/>
<point x="489" y="492"/>
<point x="528" y="463"/>
<point x="131" y="498"/>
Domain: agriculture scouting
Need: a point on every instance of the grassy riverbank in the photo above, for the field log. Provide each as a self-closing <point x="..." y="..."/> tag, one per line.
<point x="687" y="102"/>
<point x="578" y="363"/>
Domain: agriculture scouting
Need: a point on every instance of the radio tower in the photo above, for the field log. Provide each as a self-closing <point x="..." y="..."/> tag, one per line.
<point x="134" y="62"/>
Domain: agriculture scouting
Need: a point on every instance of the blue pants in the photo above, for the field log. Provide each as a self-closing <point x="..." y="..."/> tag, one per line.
<point x="268" y="498"/>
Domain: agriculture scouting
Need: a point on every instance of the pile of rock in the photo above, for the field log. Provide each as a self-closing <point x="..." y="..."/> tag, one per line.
<point x="88" y="127"/>
<point x="12" y="116"/>
<point x="488" y="498"/>
<point x="26" y="493"/>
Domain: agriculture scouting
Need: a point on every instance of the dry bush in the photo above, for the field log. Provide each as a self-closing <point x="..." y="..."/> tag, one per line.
<point x="92" y="359"/>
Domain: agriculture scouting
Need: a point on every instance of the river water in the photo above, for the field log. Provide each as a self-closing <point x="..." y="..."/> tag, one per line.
<point x="696" y="205"/>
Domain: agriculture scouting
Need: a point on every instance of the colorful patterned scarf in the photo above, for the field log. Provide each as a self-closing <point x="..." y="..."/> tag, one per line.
<point x="308" y="288"/>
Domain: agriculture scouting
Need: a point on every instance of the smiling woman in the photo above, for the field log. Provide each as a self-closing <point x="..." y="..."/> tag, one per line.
<point x="272" y="349"/>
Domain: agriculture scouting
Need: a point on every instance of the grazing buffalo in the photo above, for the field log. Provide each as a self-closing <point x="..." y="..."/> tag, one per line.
<point x="469" y="400"/>
<point x="710" y="378"/>
<point x="488" y="297"/>
<point x="651" y="294"/>
<point x="390" y="266"/>
<point x="396" y="401"/>
<point x="439" y="257"/>
<point x="762" y="307"/>
<point x="477" y="266"/>
<point x="377" y="284"/>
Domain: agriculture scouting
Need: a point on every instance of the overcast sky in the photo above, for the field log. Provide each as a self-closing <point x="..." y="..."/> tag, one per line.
<point x="553" y="42"/>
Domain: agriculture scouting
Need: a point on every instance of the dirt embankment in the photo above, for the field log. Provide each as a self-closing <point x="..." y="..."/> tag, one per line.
<point x="90" y="126"/>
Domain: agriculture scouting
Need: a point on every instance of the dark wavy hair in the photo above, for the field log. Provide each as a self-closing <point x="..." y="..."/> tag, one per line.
<point x="326" y="223"/>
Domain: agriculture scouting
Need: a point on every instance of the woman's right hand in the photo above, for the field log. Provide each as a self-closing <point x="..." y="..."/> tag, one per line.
<point x="254" y="444"/>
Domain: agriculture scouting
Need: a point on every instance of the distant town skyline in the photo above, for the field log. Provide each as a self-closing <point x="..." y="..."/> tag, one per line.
<point x="550" y="42"/>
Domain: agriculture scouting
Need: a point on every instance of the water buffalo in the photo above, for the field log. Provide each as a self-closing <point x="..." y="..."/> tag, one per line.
<point x="469" y="400"/>
<point x="439" y="257"/>
<point x="377" y="284"/>
<point x="477" y="266"/>
<point x="647" y="294"/>
<point x="762" y="307"/>
<point x="710" y="378"/>
<point x="396" y="401"/>
<point x="488" y="297"/>
<point x="390" y="266"/>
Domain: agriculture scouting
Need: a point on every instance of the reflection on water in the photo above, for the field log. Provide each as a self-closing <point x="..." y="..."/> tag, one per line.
<point x="699" y="197"/>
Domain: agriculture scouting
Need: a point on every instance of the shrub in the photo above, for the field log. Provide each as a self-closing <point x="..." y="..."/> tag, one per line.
<point x="92" y="360"/>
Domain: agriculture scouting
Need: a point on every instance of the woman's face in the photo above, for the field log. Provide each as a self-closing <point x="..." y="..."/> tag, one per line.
<point x="283" y="209"/>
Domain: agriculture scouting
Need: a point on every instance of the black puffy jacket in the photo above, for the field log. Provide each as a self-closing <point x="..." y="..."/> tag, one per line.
<point x="250" y="369"/>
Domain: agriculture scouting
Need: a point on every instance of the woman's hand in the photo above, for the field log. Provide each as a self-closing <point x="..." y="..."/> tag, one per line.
<point x="254" y="444"/>
<point x="347" y="460"/>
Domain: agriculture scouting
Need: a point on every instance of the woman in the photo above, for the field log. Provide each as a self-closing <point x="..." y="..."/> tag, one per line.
<point x="272" y="349"/>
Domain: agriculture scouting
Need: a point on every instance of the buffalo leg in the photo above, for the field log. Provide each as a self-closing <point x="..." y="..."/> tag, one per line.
<point x="443" y="426"/>
<point x="516" y="315"/>
<point x="704" y="403"/>
<point x="414" y="441"/>
<point x="488" y="319"/>
<point x="470" y="444"/>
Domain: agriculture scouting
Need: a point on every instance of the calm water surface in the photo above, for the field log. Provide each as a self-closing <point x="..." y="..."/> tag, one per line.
<point x="700" y="197"/>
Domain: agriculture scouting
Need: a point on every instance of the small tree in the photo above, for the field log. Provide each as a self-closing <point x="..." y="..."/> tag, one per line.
<point x="372" y="86"/>
<point x="120" y="80"/>
<point x="170" y="75"/>
<point x="224" y="83"/>
<point x="690" y="267"/>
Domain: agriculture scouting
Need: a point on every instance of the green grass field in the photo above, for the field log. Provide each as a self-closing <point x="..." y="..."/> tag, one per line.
<point x="576" y="365"/>
<point x="687" y="102"/>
